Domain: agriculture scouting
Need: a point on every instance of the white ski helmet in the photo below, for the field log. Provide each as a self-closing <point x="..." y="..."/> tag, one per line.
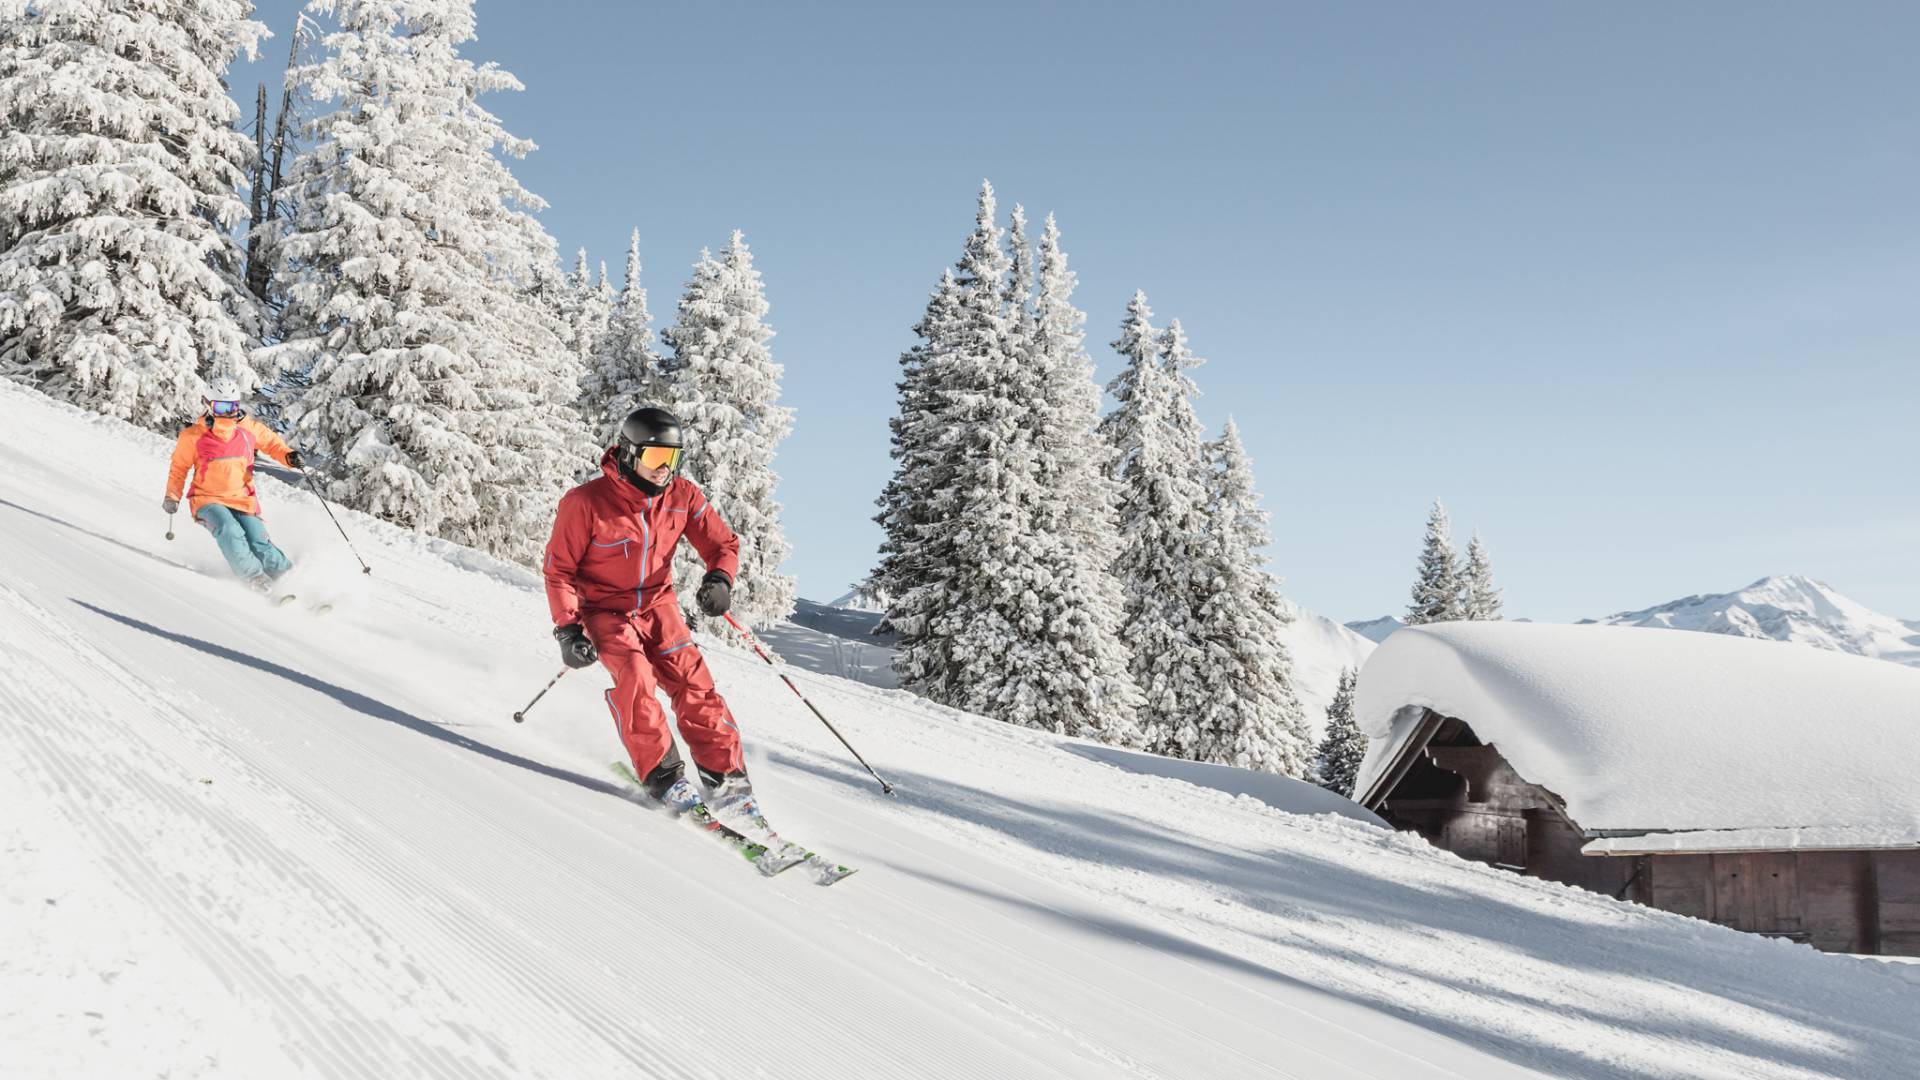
<point x="224" y="396"/>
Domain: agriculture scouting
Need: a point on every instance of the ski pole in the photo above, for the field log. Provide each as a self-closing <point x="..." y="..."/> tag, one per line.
<point x="521" y="716"/>
<point x="364" y="568"/>
<point x="169" y="526"/>
<point x="755" y="642"/>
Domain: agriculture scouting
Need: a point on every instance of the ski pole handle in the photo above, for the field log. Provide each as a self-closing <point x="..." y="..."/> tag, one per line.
<point x="521" y="716"/>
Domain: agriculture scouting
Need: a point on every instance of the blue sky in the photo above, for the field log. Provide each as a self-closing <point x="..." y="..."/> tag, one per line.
<point x="1633" y="287"/>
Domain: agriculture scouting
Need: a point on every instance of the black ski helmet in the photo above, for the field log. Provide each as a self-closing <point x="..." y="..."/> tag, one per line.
<point x="646" y="427"/>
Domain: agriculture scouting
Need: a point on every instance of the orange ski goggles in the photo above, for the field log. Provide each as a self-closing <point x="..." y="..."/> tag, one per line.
<point x="658" y="457"/>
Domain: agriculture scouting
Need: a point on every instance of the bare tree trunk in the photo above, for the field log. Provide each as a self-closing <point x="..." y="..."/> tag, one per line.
<point x="280" y="123"/>
<point x="256" y="262"/>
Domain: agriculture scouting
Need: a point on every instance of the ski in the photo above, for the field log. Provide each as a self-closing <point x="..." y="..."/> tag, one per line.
<point x="824" y="870"/>
<point x="765" y="859"/>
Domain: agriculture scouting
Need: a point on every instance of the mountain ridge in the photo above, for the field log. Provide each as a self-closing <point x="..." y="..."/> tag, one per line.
<point x="1786" y="607"/>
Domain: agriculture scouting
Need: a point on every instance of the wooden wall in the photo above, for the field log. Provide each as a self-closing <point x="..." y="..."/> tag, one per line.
<point x="1896" y="880"/>
<point x="1836" y="901"/>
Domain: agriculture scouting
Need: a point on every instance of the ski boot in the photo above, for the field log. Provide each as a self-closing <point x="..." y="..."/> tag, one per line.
<point x="730" y="797"/>
<point x="668" y="785"/>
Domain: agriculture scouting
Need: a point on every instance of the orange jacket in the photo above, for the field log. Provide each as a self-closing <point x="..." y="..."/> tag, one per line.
<point x="220" y="452"/>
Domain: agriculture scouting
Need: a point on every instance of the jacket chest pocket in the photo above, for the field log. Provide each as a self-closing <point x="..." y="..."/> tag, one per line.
<point x="613" y="550"/>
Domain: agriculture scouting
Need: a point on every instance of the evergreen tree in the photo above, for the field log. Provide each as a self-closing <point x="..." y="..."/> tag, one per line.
<point x="440" y="390"/>
<point x="624" y="372"/>
<point x="1163" y="528"/>
<point x="1438" y="594"/>
<point x="722" y="383"/>
<point x="588" y="312"/>
<point x="1074" y="462"/>
<point x="907" y="502"/>
<point x="1482" y="599"/>
<point x="967" y="423"/>
<point x="120" y="280"/>
<point x="1252" y="719"/>
<point x="1074" y="507"/>
<point x="1343" y="747"/>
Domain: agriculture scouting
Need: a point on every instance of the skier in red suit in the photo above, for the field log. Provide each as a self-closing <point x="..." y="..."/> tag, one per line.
<point x="609" y="573"/>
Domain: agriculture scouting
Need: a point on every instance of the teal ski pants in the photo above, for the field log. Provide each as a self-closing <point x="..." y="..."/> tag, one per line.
<point x="243" y="540"/>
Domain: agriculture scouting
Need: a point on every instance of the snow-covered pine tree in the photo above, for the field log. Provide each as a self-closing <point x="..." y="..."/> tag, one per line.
<point x="624" y="372"/>
<point x="589" y="314"/>
<point x="121" y="283"/>
<point x="440" y="389"/>
<point x="1438" y="595"/>
<point x="1073" y="460"/>
<point x="1482" y="598"/>
<point x="1336" y="763"/>
<point x="1073" y="506"/>
<point x="964" y="424"/>
<point x="722" y="383"/>
<point x="1163" y="529"/>
<point x="995" y="626"/>
<point x="907" y="502"/>
<point x="1252" y="719"/>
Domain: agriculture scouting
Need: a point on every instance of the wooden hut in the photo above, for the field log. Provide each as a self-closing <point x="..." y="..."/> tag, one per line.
<point x="1758" y="785"/>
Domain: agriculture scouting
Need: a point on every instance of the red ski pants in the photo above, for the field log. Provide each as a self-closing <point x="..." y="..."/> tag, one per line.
<point x="644" y="649"/>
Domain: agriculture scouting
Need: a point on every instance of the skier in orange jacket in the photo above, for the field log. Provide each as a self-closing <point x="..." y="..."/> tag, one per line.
<point x="219" y="449"/>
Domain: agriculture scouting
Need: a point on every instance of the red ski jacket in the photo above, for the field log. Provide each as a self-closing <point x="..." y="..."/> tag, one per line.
<point x="612" y="544"/>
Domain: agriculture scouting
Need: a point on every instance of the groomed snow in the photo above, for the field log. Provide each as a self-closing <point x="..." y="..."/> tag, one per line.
<point x="1645" y="730"/>
<point x="252" y="843"/>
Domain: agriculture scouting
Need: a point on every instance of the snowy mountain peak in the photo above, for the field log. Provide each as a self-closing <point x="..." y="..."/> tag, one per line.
<point x="1787" y="607"/>
<point x="1375" y="629"/>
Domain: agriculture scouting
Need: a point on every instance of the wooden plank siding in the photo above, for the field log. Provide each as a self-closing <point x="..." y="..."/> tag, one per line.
<point x="1896" y="878"/>
<point x="1463" y="796"/>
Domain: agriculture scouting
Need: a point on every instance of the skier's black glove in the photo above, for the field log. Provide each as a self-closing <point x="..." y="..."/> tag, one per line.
<point x="169" y="505"/>
<point x="716" y="593"/>
<point x="575" y="650"/>
<point x="295" y="461"/>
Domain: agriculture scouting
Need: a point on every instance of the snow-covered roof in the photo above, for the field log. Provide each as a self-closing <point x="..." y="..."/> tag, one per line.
<point x="1644" y="730"/>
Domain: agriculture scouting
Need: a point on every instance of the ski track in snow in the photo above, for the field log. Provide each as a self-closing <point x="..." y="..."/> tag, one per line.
<point x="252" y="842"/>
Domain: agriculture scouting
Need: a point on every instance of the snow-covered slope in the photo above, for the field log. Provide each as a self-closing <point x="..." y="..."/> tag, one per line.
<point x="255" y="843"/>
<point x="1787" y="608"/>
<point x="1376" y="630"/>
<point x="1320" y="649"/>
<point x="836" y="640"/>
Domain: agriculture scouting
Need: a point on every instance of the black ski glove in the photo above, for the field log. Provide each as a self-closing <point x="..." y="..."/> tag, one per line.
<point x="716" y="593"/>
<point x="169" y="505"/>
<point x="575" y="650"/>
<point x="295" y="461"/>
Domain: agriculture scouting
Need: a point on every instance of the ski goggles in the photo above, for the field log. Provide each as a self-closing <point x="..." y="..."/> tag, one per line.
<point x="224" y="408"/>
<point x="657" y="457"/>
